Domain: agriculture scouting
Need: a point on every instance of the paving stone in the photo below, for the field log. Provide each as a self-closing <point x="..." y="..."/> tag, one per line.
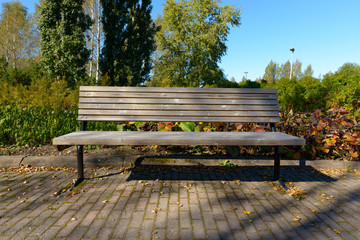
<point x="185" y="220"/>
<point x="132" y="233"/>
<point x="198" y="229"/>
<point x="209" y="220"/>
<point x="172" y="229"/>
<point x="147" y="229"/>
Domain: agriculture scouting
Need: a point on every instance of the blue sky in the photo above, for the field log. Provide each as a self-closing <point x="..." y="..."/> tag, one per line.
<point x="324" y="33"/>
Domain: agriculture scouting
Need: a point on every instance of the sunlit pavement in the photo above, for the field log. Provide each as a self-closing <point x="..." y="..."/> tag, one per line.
<point x="179" y="203"/>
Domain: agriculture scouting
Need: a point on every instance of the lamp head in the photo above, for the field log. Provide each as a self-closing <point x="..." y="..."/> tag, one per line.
<point x="292" y="49"/>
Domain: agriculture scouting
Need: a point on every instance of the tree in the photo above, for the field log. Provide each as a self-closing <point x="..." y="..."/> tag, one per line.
<point x="296" y="69"/>
<point x="129" y="41"/>
<point x="308" y="71"/>
<point x="16" y="34"/>
<point x="191" y="42"/>
<point x="62" y="26"/>
<point x="284" y="71"/>
<point x="270" y="75"/>
<point x="343" y="87"/>
<point x="95" y="35"/>
<point x="139" y="43"/>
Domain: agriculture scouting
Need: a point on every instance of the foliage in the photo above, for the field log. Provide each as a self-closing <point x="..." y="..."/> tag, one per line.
<point x="62" y="26"/>
<point x="41" y="93"/>
<point x="35" y="125"/>
<point x="129" y="41"/>
<point x="191" y="42"/>
<point x="343" y="88"/>
<point x="329" y="135"/>
<point x="95" y="35"/>
<point x="270" y="75"/>
<point x="34" y="114"/>
<point x="17" y="34"/>
<point x="113" y="21"/>
<point x="306" y="93"/>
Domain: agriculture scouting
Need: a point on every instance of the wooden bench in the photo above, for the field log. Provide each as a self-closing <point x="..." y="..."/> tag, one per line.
<point x="179" y="105"/>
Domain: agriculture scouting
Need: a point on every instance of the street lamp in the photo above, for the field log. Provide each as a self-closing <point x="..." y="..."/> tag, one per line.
<point x="292" y="60"/>
<point x="246" y="75"/>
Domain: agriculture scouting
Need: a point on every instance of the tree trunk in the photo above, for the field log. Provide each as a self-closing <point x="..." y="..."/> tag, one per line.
<point x="98" y="41"/>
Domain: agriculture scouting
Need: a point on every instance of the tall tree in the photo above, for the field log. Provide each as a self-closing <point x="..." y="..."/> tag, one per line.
<point x="284" y="71"/>
<point x="308" y="71"/>
<point x="297" y="69"/>
<point x="191" y="42"/>
<point x="16" y="34"/>
<point x="139" y="43"/>
<point x="95" y="35"/>
<point x="270" y="75"/>
<point x="62" y="26"/>
<point x="114" y="22"/>
<point x="129" y="41"/>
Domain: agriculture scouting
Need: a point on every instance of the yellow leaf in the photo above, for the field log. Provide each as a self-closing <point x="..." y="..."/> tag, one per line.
<point x="247" y="212"/>
<point x="337" y="231"/>
<point x="297" y="218"/>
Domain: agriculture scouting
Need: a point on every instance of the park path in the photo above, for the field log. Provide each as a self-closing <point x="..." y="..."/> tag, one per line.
<point x="180" y="203"/>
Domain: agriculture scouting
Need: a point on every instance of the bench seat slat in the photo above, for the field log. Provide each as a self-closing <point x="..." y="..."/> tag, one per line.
<point x="177" y="101"/>
<point x="180" y="107"/>
<point x="178" y="138"/>
<point x="179" y="119"/>
<point x="176" y="95"/>
<point x="177" y="90"/>
<point x="179" y="113"/>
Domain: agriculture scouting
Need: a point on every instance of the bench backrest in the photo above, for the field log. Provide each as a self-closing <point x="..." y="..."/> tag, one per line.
<point x="178" y="104"/>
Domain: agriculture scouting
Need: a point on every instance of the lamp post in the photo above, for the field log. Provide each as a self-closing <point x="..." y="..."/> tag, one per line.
<point x="292" y="60"/>
<point x="246" y="75"/>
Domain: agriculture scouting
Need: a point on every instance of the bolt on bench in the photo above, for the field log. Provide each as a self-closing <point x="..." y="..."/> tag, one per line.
<point x="240" y="105"/>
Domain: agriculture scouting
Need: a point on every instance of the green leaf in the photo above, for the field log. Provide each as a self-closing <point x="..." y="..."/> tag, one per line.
<point x="187" y="126"/>
<point x="120" y="127"/>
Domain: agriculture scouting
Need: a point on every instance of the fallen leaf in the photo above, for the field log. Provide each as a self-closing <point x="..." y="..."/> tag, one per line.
<point x="246" y="212"/>
<point x="297" y="218"/>
<point x="337" y="231"/>
<point x="233" y="208"/>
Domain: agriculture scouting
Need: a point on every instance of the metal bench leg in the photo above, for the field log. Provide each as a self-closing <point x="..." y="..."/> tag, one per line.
<point x="80" y="165"/>
<point x="277" y="163"/>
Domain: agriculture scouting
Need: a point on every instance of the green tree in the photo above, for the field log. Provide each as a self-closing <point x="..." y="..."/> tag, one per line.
<point x="114" y="22"/>
<point x="297" y="69"/>
<point x="95" y="35"/>
<point x="129" y="41"/>
<point x="191" y="42"/>
<point x="16" y="34"/>
<point x="270" y="75"/>
<point x="62" y="26"/>
<point x="343" y="87"/>
<point x="283" y="71"/>
<point x="308" y="71"/>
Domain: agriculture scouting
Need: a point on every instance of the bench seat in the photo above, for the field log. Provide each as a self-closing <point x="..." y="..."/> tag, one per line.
<point x="178" y="138"/>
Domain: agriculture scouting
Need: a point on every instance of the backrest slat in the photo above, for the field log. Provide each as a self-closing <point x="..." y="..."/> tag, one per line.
<point x="178" y="104"/>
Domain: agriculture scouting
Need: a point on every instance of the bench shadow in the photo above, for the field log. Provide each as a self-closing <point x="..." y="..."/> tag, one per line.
<point x="201" y="172"/>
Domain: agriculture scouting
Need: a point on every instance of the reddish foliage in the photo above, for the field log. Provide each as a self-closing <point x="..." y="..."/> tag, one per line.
<point x="329" y="135"/>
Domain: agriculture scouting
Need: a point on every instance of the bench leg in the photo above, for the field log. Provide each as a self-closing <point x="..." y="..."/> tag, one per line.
<point x="277" y="163"/>
<point x="80" y="165"/>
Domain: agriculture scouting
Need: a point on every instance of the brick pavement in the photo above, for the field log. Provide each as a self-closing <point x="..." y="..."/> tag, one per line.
<point x="180" y="203"/>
